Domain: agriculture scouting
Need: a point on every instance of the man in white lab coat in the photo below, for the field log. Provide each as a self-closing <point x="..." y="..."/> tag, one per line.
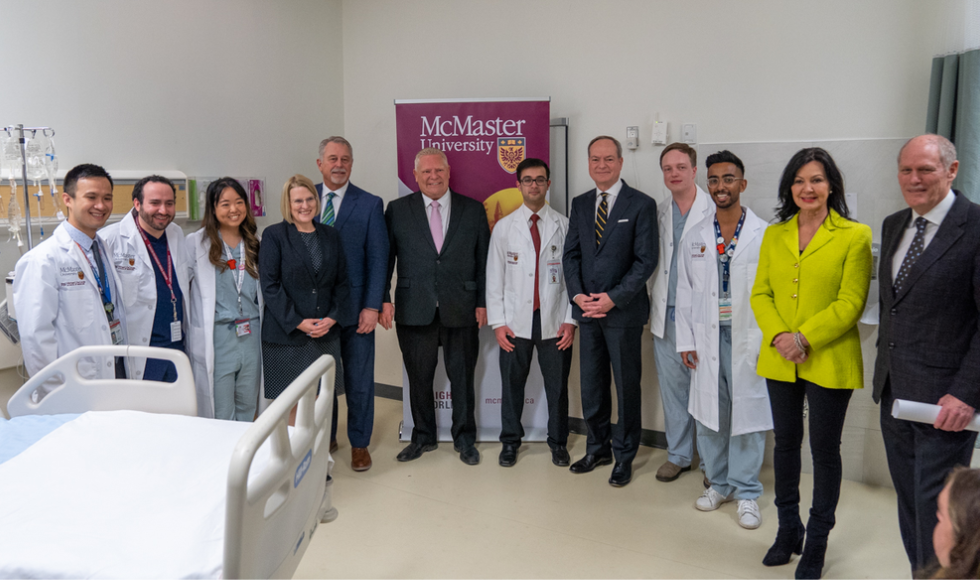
<point x="688" y="206"/>
<point x="65" y="292"/>
<point x="151" y="264"/>
<point x="528" y="308"/>
<point x="719" y="340"/>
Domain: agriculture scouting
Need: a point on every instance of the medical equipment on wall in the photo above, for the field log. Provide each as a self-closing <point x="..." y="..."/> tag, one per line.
<point x="14" y="160"/>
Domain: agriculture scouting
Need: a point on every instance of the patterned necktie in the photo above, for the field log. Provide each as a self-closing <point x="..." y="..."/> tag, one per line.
<point x="915" y="250"/>
<point x="327" y="217"/>
<point x="435" y="225"/>
<point x="600" y="218"/>
<point x="536" y="238"/>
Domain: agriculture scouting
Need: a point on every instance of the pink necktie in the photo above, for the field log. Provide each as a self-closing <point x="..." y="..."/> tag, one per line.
<point x="435" y="225"/>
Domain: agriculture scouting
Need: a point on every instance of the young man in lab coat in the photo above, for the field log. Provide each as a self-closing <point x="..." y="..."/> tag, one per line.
<point x="718" y="339"/>
<point x="151" y="265"/>
<point x="528" y="308"/>
<point x="65" y="292"/>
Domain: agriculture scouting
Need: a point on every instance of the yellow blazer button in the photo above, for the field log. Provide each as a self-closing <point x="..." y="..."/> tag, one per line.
<point x="796" y="265"/>
<point x="794" y="296"/>
<point x="796" y="280"/>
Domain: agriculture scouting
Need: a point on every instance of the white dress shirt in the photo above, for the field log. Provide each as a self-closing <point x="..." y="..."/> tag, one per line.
<point x="337" y="200"/>
<point x="610" y="199"/>
<point x="444" y="205"/>
<point x="934" y="217"/>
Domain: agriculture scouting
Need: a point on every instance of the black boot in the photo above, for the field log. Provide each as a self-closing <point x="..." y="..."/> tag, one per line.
<point x="789" y="541"/>
<point x="811" y="563"/>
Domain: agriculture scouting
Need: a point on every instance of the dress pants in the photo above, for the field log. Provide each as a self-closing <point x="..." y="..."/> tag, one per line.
<point x="357" y="351"/>
<point x="603" y="346"/>
<point x="919" y="459"/>
<point x="420" y="351"/>
<point x="675" y="391"/>
<point x="514" y="367"/>
<point x="827" y="409"/>
<point x="732" y="463"/>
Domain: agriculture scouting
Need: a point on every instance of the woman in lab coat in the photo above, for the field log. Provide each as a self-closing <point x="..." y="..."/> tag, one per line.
<point x="224" y="341"/>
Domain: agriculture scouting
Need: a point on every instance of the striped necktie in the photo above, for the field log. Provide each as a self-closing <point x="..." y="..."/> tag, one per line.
<point x="600" y="218"/>
<point x="327" y="217"/>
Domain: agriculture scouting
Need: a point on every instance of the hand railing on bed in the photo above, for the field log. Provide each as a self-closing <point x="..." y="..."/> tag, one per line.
<point x="270" y="517"/>
<point x="77" y="394"/>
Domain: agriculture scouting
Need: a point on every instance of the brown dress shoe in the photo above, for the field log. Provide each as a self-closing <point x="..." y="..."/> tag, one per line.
<point x="334" y="446"/>
<point x="360" y="459"/>
<point x="669" y="471"/>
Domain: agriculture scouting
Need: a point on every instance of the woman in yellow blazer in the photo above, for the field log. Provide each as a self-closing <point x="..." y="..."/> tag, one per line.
<point x="809" y="292"/>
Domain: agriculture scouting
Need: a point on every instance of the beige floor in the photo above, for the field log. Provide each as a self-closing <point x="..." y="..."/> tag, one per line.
<point x="438" y="518"/>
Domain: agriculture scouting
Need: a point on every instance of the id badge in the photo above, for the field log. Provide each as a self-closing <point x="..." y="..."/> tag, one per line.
<point x="243" y="327"/>
<point x="724" y="308"/>
<point x="175" y="331"/>
<point x="554" y="272"/>
<point x="115" y="329"/>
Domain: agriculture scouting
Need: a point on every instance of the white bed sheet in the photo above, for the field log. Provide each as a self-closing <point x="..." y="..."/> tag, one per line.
<point x="119" y="494"/>
<point x="19" y="433"/>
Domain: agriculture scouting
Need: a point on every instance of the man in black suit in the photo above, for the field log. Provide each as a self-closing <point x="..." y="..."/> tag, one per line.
<point x="610" y="252"/>
<point x="928" y="341"/>
<point x="439" y="239"/>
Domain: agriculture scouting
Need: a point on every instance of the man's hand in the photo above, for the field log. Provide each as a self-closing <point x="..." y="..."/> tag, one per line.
<point x="367" y="321"/>
<point x="502" y="333"/>
<point x="481" y="317"/>
<point x="955" y="415"/>
<point x="590" y="305"/>
<point x="602" y="303"/>
<point x="566" y="335"/>
<point x="690" y="359"/>
<point x="387" y="315"/>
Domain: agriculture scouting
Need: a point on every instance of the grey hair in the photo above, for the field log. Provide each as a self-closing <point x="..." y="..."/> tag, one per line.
<point x="947" y="151"/>
<point x="338" y="140"/>
<point x="619" y="146"/>
<point x="430" y="151"/>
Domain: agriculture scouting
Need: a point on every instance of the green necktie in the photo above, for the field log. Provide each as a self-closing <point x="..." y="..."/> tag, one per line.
<point x="327" y="217"/>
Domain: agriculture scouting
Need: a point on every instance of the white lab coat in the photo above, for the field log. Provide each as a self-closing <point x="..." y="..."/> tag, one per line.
<point x="510" y="274"/>
<point x="697" y="325"/>
<point x="702" y="208"/>
<point x="59" y="307"/>
<point x="136" y="273"/>
<point x="200" y="303"/>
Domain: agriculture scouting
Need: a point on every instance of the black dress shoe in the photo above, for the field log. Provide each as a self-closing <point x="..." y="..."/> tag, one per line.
<point x="560" y="457"/>
<point x="622" y="473"/>
<point x="789" y="541"/>
<point x="468" y="455"/>
<point x="508" y="455"/>
<point x="590" y="462"/>
<point x="415" y="450"/>
<point x="811" y="563"/>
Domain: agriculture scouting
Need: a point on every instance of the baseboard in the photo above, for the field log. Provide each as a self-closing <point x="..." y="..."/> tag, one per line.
<point x="648" y="438"/>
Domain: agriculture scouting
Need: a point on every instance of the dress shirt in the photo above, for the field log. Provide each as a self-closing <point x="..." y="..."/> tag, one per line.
<point x="87" y="243"/>
<point x="611" y="199"/>
<point x="338" y="198"/>
<point x="445" y="204"/>
<point x="526" y="213"/>
<point x="934" y="217"/>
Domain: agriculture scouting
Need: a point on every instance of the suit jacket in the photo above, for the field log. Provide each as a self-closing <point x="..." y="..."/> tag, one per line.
<point x="455" y="277"/>
<point x="622" y="263"/>
<point x="292" y="291"/>
<point x="361" y="223"/>
<point x="928" y="340"/>
<point x="820" y="294"/>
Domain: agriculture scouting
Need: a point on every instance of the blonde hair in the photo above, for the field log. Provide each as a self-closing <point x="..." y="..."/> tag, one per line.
<point x="291" y="183"/>
<point x="430" y="151"/>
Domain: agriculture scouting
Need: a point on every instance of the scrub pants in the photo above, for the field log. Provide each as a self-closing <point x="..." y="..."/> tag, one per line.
<point x="236" y="372"/>
<point x="675" y="390"/>
<point x="732" y="463"/>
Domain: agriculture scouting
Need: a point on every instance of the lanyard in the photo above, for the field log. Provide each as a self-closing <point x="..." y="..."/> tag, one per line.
<point x="239" y="266"/>
<point x="168" y="274"/>
<point x="726" y="254"/>
<point x="102" y="282"/>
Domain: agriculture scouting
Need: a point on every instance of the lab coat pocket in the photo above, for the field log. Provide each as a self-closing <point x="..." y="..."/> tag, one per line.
<point x="130" y="283"/>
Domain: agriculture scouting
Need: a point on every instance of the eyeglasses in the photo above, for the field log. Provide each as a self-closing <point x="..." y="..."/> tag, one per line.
<point x="727" y="180"/>
<point x="541" y="181"/>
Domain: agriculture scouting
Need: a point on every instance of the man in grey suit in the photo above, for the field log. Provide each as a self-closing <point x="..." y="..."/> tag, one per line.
<point x="439" y="240"/>
<point x="928" y="340"/>
<point x="610" y="251"/>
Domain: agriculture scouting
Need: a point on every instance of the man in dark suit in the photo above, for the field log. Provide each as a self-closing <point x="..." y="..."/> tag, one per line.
<point x="439" y="239"/>
<point x="610" y="252"/>
<point x="928" y="341"/>
<point x="359" y="218"/>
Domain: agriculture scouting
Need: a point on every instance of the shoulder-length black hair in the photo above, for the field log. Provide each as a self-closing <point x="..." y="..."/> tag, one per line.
<point x="787" y="208"/>
<point x="247" y="228"/>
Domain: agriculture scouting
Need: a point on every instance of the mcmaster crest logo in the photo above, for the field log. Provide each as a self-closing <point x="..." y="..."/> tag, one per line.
<point x="510" y="153"/>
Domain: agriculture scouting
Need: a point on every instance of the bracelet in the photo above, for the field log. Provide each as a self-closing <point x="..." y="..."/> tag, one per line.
<point x="799" y="343"/>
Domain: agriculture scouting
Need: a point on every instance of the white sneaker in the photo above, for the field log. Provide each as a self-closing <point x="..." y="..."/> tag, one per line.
<point x="748" y="514"/>
<point x="711" y="500"/>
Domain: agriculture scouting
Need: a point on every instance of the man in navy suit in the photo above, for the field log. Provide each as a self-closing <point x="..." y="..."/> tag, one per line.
<point x="359" y="218"/>
<point x="610" y="252"/>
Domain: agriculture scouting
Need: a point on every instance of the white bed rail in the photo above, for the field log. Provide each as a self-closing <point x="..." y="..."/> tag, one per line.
<point x="77" y="394"/>
<point x="270" y="520"/>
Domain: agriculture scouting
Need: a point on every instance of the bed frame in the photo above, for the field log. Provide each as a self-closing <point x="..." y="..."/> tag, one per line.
<point x="271" y="516"/>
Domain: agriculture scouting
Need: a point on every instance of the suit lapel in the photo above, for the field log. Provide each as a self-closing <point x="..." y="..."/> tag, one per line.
<point x="418" y="212"/>
<point x="455" y="216"/>
<point x="619" y="208"/>
<point x="949" y="231"/>
<point x="299" y="250"/>
<point x="820" y="239"/>
<point x="349" y="206"/>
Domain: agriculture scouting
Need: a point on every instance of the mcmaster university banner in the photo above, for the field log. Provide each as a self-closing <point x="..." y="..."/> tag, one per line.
<point x="484" y="141"/>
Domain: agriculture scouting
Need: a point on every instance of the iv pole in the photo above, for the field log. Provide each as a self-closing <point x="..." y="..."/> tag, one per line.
<point x="19" y="130"/>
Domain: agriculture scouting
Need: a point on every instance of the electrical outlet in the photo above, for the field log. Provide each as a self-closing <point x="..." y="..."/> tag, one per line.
<point x="632" y="137"/>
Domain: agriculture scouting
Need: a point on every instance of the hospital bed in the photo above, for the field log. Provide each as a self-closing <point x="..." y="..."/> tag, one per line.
<point x="119" y="478"/>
